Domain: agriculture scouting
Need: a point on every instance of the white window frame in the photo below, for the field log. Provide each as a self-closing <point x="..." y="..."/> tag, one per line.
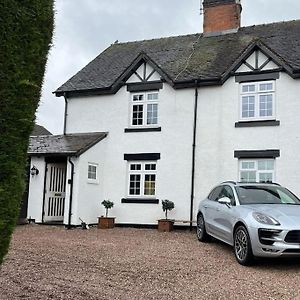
<point x="93" y="180"/>
<point x="144" y="103"/>
<point x="256" y="94"/>
<point x="142" y="172"/>
<point x="257" y="171"/>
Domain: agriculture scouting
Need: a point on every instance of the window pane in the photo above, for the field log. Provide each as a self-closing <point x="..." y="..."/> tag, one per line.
<point x="248" y="106"/>
<point x="265" y="105"/>
<point x="153" y="96"/>
<point x="265" y="165"/>
<point x="135" y="167"/>
<point x="149" y="185"/>
<point x="92" y="168"/>
<point x="265" y="177"/>
<point x="92" y="172"/>
<point x="248" y="88"/>
<point x="270" y="165"/>
<point x="246" y="165"/>
<point x="266" y="86"/>
<point x="152" y="114"/>
<point x="137" y="115"/>
<point x="135" y="184"/>
<point x="138" y="97"/>
<point x="150" y="167"/>
<point x="248" y="176"/>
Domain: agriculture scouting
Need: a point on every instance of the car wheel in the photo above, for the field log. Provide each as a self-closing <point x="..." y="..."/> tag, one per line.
<point x="201" y="230"/>
<point x="242" y="246"/>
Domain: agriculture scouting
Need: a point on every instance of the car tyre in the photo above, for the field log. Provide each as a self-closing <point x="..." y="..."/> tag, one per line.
<point x="242" y="246"/>
<point x="201" y="230"/>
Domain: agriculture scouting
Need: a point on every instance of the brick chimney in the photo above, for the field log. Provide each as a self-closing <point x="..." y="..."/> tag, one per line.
<point x="221" y="15"/>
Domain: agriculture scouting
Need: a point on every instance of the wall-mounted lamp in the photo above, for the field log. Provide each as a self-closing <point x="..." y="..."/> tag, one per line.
<point x="34" y="171"/>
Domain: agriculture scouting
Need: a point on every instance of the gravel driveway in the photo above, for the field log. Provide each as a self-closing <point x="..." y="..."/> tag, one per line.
<point x="124" y="263"/>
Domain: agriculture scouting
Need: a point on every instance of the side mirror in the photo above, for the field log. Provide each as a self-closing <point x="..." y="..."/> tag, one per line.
<point x="225" y="200"/>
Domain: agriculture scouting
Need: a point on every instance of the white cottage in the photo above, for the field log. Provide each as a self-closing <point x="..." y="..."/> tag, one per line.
<point x="170" y="118"/>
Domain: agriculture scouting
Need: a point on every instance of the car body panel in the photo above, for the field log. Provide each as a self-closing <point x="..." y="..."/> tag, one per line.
<point x="221" y="219"/>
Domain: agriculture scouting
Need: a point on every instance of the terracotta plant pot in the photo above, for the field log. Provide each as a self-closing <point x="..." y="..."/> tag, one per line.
<point x="165" y="225"/>
<point x="106" y="222"/>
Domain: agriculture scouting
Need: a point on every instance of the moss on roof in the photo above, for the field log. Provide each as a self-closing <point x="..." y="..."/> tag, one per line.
<point x="189" y="57"/>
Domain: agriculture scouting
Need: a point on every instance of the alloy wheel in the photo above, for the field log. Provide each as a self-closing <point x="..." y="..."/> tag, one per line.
<point x="200" y="226"/>
<point x="241" y="244"/>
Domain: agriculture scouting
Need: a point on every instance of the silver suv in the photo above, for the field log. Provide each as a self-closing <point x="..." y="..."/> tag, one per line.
<point x="257" y="219"/>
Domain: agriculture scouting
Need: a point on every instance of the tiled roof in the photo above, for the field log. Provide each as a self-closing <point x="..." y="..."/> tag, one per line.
<point x="189" y="58"/>
<point x="40" y="130"/>
<point x="69" y="144"/>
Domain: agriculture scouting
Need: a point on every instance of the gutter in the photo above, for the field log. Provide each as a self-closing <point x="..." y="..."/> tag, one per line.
<point x="198" y="82"/>
<point x="70" y="181"/>
<point x="66" y="113"/>
<point x="194" y="156"/>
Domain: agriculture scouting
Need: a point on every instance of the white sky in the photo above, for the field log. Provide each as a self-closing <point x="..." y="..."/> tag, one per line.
<point x="84" y="28"/>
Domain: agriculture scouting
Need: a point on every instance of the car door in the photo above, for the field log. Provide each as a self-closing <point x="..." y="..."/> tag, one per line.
<point x="210" y="210"/>
<point x="224" y="214"/>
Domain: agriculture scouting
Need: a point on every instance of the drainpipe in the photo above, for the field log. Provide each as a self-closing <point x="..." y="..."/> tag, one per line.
<point x="194" y="155"/>
<point x="70" y="181"/>
<point x="66" y="113"/>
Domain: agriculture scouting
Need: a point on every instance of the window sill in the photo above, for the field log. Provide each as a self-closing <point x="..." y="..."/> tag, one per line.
<point x="262" y="123"/>
<point x="92" y="181"/>
<point x="150" y="129"/>
<point x="140" y="200"/>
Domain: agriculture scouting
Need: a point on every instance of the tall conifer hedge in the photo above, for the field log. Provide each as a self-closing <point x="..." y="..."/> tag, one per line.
<point x="26" y="28"/>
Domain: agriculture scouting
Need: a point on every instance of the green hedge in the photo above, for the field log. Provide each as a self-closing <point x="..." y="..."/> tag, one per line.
<point x="26" y="28"/>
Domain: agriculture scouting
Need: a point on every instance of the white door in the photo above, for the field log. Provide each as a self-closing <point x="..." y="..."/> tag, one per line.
<point x="55" y="192"/>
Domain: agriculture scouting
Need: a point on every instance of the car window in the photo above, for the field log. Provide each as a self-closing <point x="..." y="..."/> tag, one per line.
<point x="266" y="195"/>
<point x="227" y="192"/>
<point x="215" y="193"/>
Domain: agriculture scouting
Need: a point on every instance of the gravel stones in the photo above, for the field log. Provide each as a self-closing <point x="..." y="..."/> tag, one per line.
<point x="48" y="262"/>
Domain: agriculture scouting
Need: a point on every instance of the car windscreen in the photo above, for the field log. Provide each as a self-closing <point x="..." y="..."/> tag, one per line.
<point x="252" y="194"/>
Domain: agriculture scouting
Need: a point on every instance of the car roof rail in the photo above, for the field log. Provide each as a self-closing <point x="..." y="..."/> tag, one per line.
<point x="229" y="181"/>
<point x="262" y="182"/>
<point x="274" y="183"/>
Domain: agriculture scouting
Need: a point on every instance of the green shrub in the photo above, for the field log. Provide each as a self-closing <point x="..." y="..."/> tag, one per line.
<point x="26" y="28"/>
<point x="107" y="204"/>
<point x="167" y="205"/>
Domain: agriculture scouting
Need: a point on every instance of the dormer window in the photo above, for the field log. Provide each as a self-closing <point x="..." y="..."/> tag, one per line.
<point x="257" y="100"/>
<point x="144" y="109"/>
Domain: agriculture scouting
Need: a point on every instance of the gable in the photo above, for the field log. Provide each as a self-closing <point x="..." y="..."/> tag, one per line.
<point x="145" y="73"/>
<point x="257" y="61"/>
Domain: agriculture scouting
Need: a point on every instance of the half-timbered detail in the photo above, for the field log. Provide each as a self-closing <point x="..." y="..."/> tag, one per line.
<point x="258" y="62"/>
<point x="145" y="73"/>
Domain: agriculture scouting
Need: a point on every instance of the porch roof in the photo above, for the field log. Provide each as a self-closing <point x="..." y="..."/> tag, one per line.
<point x="66" y="145"/>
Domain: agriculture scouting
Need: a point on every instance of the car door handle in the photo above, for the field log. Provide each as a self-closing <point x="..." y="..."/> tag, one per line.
<point x="205" y="206"/>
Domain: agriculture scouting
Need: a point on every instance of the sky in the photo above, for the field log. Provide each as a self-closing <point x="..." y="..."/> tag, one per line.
<point x="84" y="28"/>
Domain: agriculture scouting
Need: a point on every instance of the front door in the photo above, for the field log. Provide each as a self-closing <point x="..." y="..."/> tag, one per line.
<point x="54" y="205"/>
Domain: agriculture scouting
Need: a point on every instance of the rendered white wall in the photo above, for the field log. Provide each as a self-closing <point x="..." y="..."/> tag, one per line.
<point x="218" y="138"/>
<point x="112" y="114"/>
<point x="88" y="196"/>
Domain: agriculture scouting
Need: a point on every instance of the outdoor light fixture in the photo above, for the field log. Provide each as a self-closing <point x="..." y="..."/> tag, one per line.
<point x="34" y="171"/>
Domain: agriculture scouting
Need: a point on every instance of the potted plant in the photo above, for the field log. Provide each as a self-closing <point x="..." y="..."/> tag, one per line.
<point x="166" y="224"/>
<point x="106" y="222"/>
